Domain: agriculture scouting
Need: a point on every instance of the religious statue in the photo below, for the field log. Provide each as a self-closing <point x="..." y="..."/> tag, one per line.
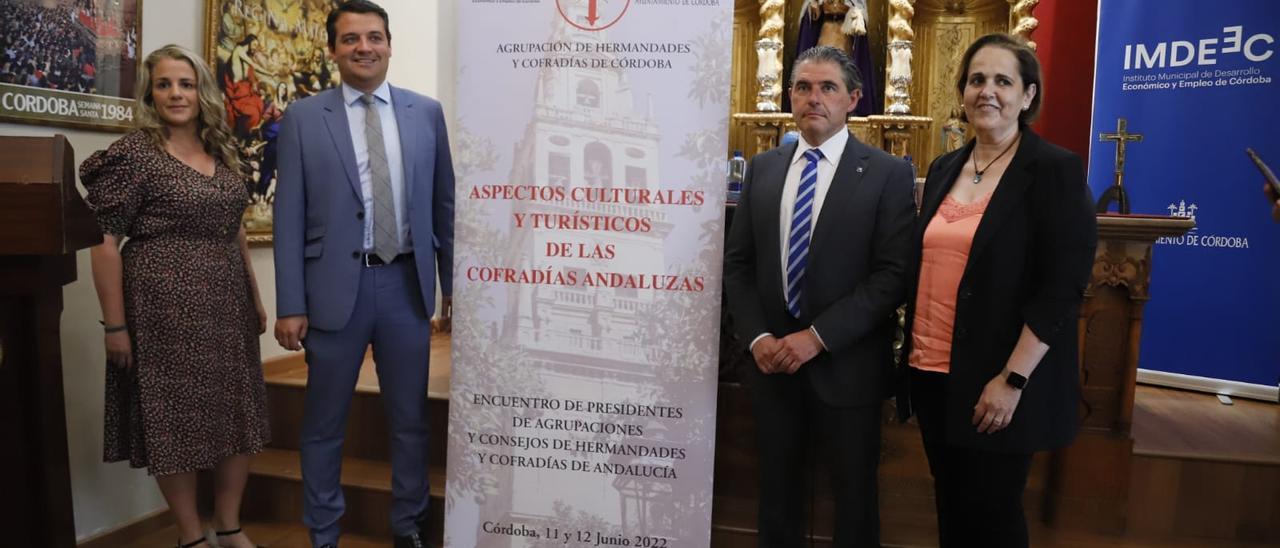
<point x="840" y="21"/>
<point x="953" y="131"/>
<point x="842" y="24"/>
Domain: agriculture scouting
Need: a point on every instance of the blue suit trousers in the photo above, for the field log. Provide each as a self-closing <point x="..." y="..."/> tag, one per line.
<point x="390" y="314"/>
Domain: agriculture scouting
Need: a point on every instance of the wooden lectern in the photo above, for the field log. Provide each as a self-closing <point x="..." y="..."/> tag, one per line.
<point x="43" y="221"/>
<point x="1089" y="481"/>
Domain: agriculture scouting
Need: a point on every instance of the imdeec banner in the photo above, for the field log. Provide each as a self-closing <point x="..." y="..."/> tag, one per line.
<point x="591" y="141"/>
<point x="1199" y="81"/>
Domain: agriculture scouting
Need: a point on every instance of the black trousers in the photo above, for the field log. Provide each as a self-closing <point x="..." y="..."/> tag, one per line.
<point x="978" y="493"/>
<point x="792" y="423"/>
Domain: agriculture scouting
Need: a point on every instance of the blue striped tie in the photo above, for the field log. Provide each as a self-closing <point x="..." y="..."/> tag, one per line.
<point x="801" y="227"/>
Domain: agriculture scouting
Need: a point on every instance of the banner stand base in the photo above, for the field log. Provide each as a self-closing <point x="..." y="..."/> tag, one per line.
<point x="1224" y="387"/>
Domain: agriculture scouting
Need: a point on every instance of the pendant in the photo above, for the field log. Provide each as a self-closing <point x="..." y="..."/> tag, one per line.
<point x="977" y="178"/>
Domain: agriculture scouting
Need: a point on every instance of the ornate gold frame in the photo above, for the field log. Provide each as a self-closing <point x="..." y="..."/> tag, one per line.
<point x="257" y="220"/>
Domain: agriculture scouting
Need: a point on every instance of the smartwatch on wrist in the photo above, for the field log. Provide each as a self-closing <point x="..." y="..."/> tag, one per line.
<point x="1016" y="380"/>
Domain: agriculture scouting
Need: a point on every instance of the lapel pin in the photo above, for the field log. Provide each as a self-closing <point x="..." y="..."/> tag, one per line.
<point x="859" y="169"/>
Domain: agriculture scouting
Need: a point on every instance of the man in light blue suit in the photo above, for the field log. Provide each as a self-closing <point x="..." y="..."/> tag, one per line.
<point x="363" y="222"/>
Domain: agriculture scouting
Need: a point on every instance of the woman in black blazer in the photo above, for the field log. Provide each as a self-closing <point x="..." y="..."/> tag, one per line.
<point x="1003" y="249"/>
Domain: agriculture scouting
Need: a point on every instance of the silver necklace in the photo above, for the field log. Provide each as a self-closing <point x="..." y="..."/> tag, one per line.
<point x="977" y="173"/>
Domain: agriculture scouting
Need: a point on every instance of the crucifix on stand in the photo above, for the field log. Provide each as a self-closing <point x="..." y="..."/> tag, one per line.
<point x="1116" y="193"/>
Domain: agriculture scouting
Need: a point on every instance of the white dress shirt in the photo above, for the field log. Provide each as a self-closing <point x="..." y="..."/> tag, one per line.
<point x="395" y="165"/>
<point x="832" y="149"/>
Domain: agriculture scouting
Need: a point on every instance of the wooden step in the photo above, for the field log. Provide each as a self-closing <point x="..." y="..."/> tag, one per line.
<point x="367" y="436"/>
<point x="1202" y="469"/>
<point x="293" y="535"/>
<point x="274" y="493"/>
<point x="268" y="534"/>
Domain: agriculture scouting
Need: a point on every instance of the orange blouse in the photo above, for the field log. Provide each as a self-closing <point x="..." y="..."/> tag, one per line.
<point x="945" y="253"/>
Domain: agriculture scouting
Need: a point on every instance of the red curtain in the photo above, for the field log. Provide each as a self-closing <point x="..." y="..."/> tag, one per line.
<point x="1065" y="42"/>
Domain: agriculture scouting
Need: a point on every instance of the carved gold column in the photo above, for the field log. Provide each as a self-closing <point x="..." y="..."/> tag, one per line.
<point x="769" y="52"/>
<point x="898" y="135"/>
<point x="764" y="129"/>
<point x="898" y="62"/>
<point x="1021" y="23"/>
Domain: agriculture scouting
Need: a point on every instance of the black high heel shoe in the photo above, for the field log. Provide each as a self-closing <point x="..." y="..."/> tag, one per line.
<point x="194" y="543"/>
<point x="235" y="531"/>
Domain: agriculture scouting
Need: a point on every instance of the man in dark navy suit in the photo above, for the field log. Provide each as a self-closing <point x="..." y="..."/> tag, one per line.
<point x="814" y="270"/>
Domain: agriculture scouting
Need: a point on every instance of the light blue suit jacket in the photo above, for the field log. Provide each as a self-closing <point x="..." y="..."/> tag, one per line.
<point x="319" y="211"/>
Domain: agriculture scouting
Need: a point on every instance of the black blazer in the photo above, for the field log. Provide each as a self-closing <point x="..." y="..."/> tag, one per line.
<point x="854" y="277"/>
<point x="1029" y="264"/>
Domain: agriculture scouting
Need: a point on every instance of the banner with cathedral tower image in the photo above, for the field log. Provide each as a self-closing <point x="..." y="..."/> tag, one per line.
<point x="591" y="147"/>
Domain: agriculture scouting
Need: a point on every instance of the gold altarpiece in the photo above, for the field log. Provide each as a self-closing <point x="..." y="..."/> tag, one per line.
<point x="916" y="45"/>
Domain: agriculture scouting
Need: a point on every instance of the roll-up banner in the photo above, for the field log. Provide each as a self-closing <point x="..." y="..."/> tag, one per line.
<point x="590" y="151"/>
<point x="1198" y="82"/>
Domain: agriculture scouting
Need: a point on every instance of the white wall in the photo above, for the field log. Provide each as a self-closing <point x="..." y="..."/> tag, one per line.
<point x="106" y="496"/>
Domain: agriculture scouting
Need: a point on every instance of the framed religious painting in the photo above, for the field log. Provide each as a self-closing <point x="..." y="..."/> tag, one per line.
<point x="266" y="54"/>
<point x="69" y="62"/>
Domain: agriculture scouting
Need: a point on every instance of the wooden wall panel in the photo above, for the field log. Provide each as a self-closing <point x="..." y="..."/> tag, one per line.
<point x="1205" y="499"/>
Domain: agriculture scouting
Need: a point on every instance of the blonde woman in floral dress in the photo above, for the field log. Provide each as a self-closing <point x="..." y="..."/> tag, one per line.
<point x="180" y="305"/>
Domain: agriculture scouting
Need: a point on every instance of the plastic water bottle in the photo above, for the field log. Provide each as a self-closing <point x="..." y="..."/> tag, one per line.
<point x="737" y="172"/>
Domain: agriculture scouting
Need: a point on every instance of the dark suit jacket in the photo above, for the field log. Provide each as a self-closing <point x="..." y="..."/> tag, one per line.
<point x="1029" y="263"/>
<point x="854" y="278"/>
<point x="319" y="208"/>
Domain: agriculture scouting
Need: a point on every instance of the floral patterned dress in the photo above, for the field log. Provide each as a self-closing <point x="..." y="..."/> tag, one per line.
<point x="196" y="393"/>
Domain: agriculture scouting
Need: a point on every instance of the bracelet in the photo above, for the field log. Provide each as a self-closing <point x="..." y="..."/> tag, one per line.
<point x="109" y="329"/>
